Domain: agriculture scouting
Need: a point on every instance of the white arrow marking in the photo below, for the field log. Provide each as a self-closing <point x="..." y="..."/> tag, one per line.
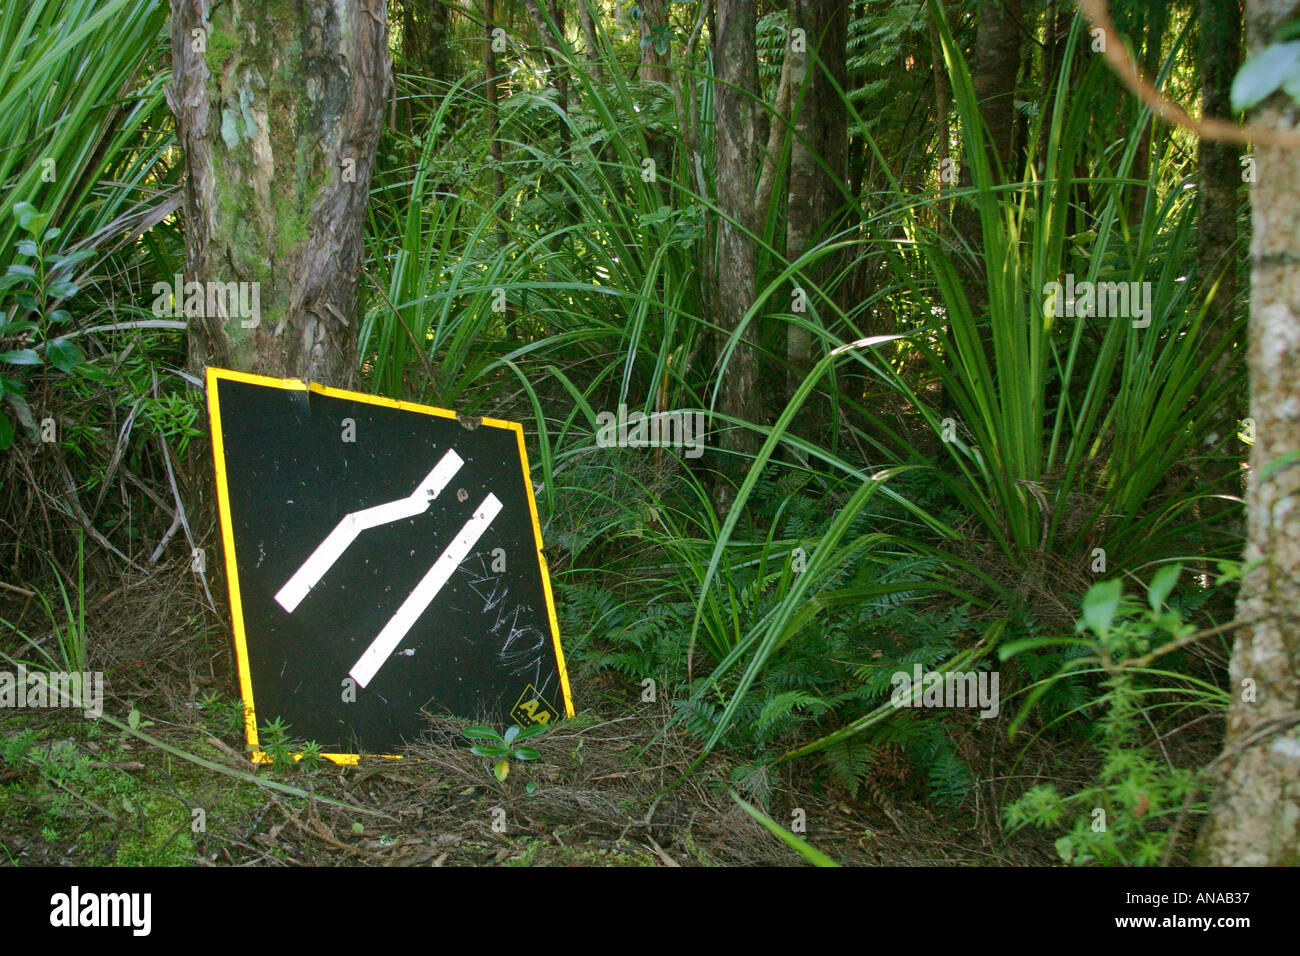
<point x="346" y="531"/>
<point x="382" y="646"/>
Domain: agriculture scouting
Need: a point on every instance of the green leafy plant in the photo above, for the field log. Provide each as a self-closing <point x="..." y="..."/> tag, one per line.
<point x="81" y="104"/>
<point x="32" y="323"/>
<point x="285" y="752"/>
<point x="504" y="747"/>
<point x="1061" y="424"/>
<point x="225" y="715"/>
<point x="1132" y="814"/>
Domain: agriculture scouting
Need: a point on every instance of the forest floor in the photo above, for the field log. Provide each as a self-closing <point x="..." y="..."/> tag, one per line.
<point x="75" y="791"/>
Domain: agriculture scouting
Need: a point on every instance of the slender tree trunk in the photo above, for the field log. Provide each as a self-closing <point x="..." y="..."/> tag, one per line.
<point x="654" y="18"/>
<point x="557" y="73"/>
<point x="818" y="157"/>
<point x="424" y="37"/>
<point x="1255" y="814"/>
<point x="942" y="107"/>
<point x="1157" y="19"/>
<point x="562" y="89"/>
<point x="424" y="50"/>
<point x="494" y="144"/>
<point x="278" y="108"/>
<point x="1219" y="164"/>
<point x="735" y="63"/>
<point x="558" y="78"/>
<point x="1218" y="201"/>
<point x="588" y="21"/>
<point x="996" y="66"/>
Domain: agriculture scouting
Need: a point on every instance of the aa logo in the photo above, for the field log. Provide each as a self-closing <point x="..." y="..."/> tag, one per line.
<point x="532" y="708"/>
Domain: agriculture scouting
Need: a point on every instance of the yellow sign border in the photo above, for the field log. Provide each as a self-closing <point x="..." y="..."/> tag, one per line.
<point x="215" y="375"/>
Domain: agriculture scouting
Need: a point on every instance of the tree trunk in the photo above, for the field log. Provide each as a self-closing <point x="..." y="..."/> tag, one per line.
<point x="1255" y="814"/>
<point x="997" y="64"/>
<point x="588" y="21"/>
<point x="1219" y="163"/>
<point x="735" y="150"/>
<point x="942" y="107"/>
<point x="425" y="24"/>
<point x="654" y="19"/>
<point x="494" y="143"/>
<point x="818" y="157"/>
<point x="1151" y="22"/>
<point x="993" y="75"/>
<point x="1217" y="201"/>
<point x="424" y="50"/>
<point x="278" y="107"/>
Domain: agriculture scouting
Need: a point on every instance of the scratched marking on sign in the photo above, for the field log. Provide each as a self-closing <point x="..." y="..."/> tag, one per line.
<point x="523" y="649"/>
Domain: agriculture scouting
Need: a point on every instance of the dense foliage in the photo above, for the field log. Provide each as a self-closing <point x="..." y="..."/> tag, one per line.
<point x="946" y="486"/>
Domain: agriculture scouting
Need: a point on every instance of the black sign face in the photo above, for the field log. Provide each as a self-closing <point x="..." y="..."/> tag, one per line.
<point x="384" y="559"/>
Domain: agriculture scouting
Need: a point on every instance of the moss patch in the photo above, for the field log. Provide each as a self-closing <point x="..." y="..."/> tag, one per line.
<point x="166" y="840"/>
<point x="221" y="45"/>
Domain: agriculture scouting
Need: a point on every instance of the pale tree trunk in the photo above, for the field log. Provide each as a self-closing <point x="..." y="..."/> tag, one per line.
<point x="818" y="157"/>
<point x="735" y="63"/>
<point x="278" y="107"/>
<point x="1255" y="814"/>
<point x="556" y="70"/>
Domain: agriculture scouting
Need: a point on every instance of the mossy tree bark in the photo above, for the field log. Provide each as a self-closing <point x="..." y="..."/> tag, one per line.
<point x="278" y="107"/>
<point x="1255" y="815"/>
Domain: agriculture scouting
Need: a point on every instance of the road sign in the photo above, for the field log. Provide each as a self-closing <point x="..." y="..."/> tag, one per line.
<point x="384" y="559"/>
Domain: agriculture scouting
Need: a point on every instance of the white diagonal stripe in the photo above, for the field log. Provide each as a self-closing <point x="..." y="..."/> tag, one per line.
<point x="346" y="531"/>
<point x="420" y="599"/>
